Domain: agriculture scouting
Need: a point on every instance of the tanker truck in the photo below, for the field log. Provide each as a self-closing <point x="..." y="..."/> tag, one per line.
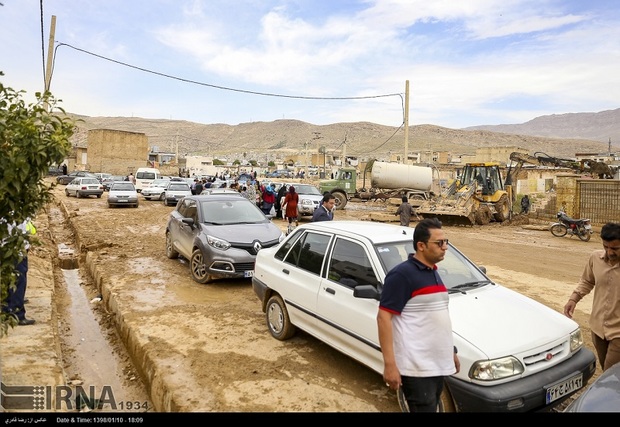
<point x="386" y="180"/>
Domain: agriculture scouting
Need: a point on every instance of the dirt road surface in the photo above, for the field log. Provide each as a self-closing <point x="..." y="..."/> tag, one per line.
<point x="206" y="347"/>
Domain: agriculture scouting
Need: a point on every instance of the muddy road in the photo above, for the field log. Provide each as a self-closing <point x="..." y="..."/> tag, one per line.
<point x="210" y="342"/>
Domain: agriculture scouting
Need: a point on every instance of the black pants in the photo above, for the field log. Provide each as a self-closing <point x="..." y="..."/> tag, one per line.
<point x="422" y="393"/>
<point x="15" y="297"/>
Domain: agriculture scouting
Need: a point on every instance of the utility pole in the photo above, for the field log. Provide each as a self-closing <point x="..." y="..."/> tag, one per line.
<point x="406" y="159"/>
<point x="50" y="58"/>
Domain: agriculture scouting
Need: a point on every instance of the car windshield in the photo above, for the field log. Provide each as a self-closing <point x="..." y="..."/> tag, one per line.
<point x="123" y="186"/>
<point x="307" y="189"/>
<point x="456" y="272"/>
<point x="240" y="211"/>
<point x="178" y="187"/>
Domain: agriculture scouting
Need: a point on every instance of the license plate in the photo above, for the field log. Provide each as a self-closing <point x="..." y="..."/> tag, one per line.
<point x="558" y="391"/>
<point x="248" y="273"/>
<point x="121" y="200"/>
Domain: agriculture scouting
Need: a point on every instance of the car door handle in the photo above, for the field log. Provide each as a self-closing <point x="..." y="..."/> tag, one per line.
<point x="285" y="271"/>
<point x="330" y="291"/>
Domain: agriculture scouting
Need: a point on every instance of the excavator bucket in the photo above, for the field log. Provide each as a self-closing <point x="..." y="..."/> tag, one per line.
<point x="451" y="207"/>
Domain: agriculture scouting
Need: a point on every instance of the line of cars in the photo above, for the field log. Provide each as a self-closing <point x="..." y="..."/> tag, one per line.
<point x="516" y="354"/>
<point x="325" y="278"/>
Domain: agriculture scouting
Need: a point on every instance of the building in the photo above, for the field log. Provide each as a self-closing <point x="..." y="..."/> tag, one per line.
<point x="114" y="151"/>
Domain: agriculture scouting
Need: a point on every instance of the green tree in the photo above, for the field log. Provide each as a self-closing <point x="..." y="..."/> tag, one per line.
<point x="33" y="137"/>
<point x="271" y="163"/>
<point x="253" y="163"/>
<point x="237" y="162"/>
<point x="218" y="162"/>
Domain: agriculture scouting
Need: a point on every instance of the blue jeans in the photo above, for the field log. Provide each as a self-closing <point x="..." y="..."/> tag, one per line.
<point x="422" y="393"/>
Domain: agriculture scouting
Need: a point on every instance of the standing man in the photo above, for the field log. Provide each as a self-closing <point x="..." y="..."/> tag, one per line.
<point x="16" y="298"/>
<point x="525" y="204"/>
<point x="324" y="212"/>
<point x="602" y="273"/>
<point x="415" y="331"/>
<point x="405" y="210"/>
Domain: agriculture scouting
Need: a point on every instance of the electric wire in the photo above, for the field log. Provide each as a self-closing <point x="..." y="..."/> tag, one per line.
<point x="250" y="92"/>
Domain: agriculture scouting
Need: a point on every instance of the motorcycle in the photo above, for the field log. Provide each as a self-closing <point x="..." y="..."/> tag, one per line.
<point x="567" y="225"/>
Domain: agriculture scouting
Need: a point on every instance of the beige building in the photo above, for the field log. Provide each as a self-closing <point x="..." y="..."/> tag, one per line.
<point x="115" y="151"/>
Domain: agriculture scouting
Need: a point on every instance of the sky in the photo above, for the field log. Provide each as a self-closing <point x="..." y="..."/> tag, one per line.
<point x="462" y="62"/>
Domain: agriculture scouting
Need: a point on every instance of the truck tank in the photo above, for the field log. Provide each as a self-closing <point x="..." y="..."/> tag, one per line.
<point x="397" y="175"/>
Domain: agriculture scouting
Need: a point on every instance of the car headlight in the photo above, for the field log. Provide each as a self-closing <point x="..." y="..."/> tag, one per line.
<point x="576" y="340"/>
<point x="218" y="243"/>
<point x="491" y="370"/>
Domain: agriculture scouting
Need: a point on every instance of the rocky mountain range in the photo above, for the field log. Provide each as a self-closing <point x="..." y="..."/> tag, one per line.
<point x="560" y="135"/>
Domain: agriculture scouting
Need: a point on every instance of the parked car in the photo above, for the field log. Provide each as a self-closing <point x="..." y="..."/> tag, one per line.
<point x="516" y="354"/>
<point x="279" y="173"/>
<point x="603" y="395"/>
<point x="123" y="193"/>
<point x="84" y="187"/>
<point x="175" y="191"/>
<point x="108" y="180"/>
<point x="102" y="175"/>
<point x="220" y="191"/>
<point x="310" y="198"/>
<point x="66" y="179"/>
<point x="220" y="235"/>
<point x="156" y="190"/>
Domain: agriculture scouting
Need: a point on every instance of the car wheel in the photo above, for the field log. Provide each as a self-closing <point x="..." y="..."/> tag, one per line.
<point x="170" y="252"/>
<point x="77" y="194"/>
<point x="161" y="197"/>
<point x="67" y="193"/>
<point x="99" y="196"/>
<point x="278" y="322"/>
<point x="198" y="268"/>
<point x="147" y="198"/>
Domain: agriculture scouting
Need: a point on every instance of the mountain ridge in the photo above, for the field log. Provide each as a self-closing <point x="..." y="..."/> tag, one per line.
<point x="561" y="135"/>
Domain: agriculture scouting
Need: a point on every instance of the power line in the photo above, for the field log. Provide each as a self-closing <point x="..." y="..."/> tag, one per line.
<point x="239" y="90"/>
<point x="228" y="88"/>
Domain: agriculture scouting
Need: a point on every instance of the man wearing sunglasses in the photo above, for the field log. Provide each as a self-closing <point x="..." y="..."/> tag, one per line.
<point x="415" y="331"/>
<point x="602" y="273"/>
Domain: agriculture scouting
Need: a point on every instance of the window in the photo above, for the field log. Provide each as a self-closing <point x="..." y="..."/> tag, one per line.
<point x="308" y="252"/>
<point x="350" y="265"/>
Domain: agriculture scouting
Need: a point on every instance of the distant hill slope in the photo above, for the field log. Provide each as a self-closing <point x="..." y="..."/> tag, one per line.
<point x="593" y="126"/>
<point x="266" y="140"/>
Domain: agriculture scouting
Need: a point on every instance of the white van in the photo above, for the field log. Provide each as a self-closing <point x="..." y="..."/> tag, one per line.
<point x="145" y="176"/>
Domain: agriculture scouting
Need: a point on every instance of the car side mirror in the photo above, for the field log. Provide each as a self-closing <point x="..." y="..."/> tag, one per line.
<point x="366" y="292"/>
<point x="188" y="221"/>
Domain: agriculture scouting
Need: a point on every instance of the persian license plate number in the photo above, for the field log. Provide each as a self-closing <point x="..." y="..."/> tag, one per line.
<point x="558" y="391"/>
<point x="248" y="273"/>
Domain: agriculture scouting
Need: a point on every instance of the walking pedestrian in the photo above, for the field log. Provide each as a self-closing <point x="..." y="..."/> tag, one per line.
<point x="405" y="210"/>
<point x="602" y="274"/>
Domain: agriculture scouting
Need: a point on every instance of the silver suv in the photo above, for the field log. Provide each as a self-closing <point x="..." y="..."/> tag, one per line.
<point x="220" y="235"/>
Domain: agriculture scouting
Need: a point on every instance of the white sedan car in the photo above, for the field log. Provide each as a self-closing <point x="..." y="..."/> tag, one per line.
<point x="516" y="354"/>
<point x="156" y="190"/>
<point x="84" y="187"/>
<point x="175" y="191"/>
<point x="123" y="193"/>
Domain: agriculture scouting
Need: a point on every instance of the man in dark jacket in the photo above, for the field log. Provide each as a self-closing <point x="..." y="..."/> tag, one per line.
<point x="324" y="212"/>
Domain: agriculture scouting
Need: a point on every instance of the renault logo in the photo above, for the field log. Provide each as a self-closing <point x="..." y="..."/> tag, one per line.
<point x="257" y="246"/>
